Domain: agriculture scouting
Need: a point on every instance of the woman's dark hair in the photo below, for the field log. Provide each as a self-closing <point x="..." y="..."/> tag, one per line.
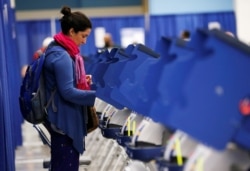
<point x="76" y="20"/>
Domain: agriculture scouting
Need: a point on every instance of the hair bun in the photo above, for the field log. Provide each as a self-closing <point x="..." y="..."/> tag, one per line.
<point x="66" y="10"/>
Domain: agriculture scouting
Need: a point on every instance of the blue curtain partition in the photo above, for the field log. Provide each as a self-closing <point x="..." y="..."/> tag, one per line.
<point x="10" y="117"/>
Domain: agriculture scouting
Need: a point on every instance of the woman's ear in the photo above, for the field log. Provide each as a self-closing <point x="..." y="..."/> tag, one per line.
<point x="71" y="32"/>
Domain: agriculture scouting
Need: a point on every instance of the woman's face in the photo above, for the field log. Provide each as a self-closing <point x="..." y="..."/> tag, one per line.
<point x="80" y="37"/>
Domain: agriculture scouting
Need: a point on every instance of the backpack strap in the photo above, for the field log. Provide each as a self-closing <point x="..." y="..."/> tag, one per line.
<point x="51" y="99"/>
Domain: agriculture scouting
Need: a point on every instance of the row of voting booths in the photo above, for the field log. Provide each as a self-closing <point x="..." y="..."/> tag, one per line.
<point x="183" y="105"/>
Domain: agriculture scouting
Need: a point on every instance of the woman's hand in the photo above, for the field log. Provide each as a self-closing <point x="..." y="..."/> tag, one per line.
<point x="89" y="79"/>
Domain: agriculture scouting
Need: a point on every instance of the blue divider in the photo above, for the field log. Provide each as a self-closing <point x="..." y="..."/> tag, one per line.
<point x="90" y="62"/>
<point x="140" y="54"/>
<point x="100" y="68"/>
<point x="142" y="91"/>
<point x="171" y="78"/>
<point x="201" y="94"/>
<point x="111" y="76"/>
<point x="114" y="70"/>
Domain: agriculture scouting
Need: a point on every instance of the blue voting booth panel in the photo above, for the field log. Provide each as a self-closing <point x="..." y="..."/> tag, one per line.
<point x="142" y="92"/>
<point x="114" y="70"/>
<point x="90" y="63"/>
<point x="111" y="76"/>
<point x="242" y="136"/>
<point x="100" y="68"/>
<point x="201" y="94"/>
<point x="105" y="59"/>
<point x="140" y="54"/>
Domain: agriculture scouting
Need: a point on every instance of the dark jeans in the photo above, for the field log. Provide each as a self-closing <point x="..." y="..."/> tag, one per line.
<point x="64" y="157"/>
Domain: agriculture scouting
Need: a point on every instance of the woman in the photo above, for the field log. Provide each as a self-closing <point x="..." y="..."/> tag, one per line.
<point x="66" y="81"/>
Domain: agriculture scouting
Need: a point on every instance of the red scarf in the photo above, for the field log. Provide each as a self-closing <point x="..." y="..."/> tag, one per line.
<point x="74" y="53"/>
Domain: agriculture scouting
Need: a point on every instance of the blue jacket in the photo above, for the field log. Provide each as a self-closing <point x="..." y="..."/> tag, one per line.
<point x="68" y="100"/>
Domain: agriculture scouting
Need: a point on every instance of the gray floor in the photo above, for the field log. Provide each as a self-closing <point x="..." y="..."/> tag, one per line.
<point x="30" y="156"/>
<point x="104" y="154"/>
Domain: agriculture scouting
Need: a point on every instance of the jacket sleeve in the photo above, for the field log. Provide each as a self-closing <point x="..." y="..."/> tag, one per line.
<point x="65" y="81"/>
